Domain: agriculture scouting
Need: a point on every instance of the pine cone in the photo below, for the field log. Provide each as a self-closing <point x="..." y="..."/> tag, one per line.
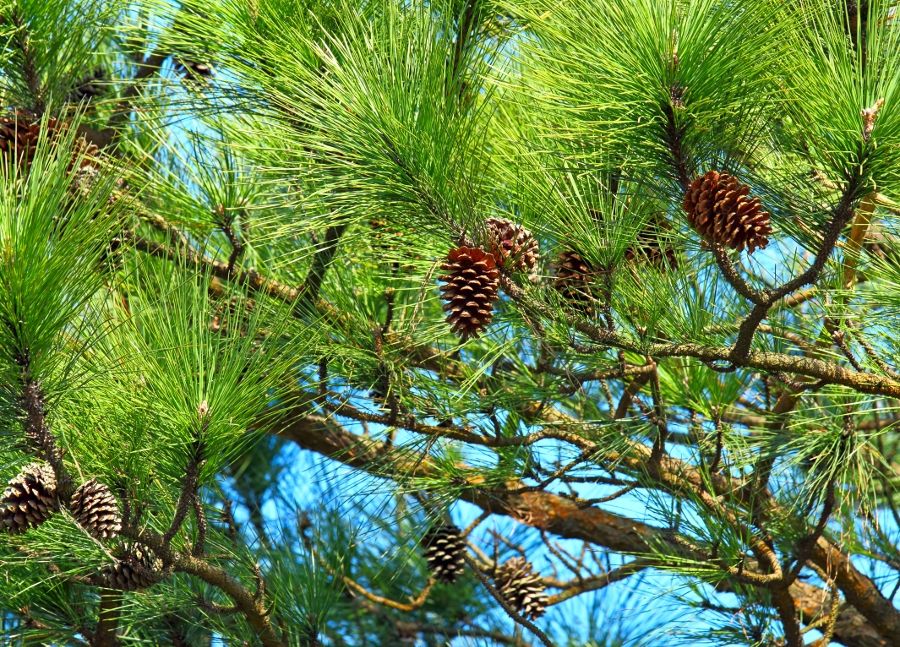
<point x="444" y="547"/>
<point x="96" y="510"/>
<point x="19" y="134"/>
<point x="29" y="499"/>
<point x="90" y="86"/>
<point x="521" y="588"/>
<point x="574" y="276"/>
<point x="652" y="249"/>
<point x="470" y="290"/>
<point x="718" y="208"/>
<point x="137" y="568"/>
<point x="511" y="242"/>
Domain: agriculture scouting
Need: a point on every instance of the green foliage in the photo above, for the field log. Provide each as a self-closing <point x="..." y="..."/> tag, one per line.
<point x="227" y="311"/>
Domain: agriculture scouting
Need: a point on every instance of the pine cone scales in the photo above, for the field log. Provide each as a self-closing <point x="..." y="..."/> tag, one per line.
<point x="96" y="510"/>
<point x="470" y="290"/>
<point x="444" y="546"/>
<point x="91" y="85"/>
<point x="521" y="587"/>
<point x="137" y="568"/>
<point x="19" y="135"/>
<point x="719" y="210"/>
<point x="510" y="241"/>
<point x="573" y="279"/>
<point x="29" y="500"/>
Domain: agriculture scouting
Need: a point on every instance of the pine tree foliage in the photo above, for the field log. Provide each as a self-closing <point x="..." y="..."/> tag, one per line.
<point x="343" y="323"/>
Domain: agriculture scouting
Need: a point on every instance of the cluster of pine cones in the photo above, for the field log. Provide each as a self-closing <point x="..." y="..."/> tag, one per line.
<point x="32" y="498"/>
<point x="515" y="580"/>
<point x="718" y="208"/>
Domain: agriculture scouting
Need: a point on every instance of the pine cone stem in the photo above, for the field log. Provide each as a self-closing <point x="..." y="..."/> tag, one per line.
<point x="39" y="433"/>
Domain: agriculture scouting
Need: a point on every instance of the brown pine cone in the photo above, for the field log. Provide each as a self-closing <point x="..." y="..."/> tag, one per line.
<point x="652" y="248"/>
<point x="574" y="276"/>
<point x="90" y="86"/>
<point x="511" y="243"/>
<point x="136" y="568"/>
<point x="521" y="588"/>
<point x="719" y="210"/>
<point x="29" y="500"/>
<point x="470" y="290"/>
<point x="96" y="510"/>
<point x="444" y="547"/>
<point x="19" y="134"/>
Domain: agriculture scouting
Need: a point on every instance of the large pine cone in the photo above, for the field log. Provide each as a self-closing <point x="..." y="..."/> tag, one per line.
<point x="719" y="209"/>
<point x="137" y="568"/>
<point x="444" y="549"/>
<point x="521" y="588"/>
<point x="96" y="510"/>
<point x="512" y="243"/>
<point x="29" y="500"/>
<point x="19" y="134"/>
<point x="470" y="290"/>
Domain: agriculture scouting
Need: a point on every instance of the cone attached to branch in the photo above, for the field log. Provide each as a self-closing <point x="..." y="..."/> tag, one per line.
<point x="29" y="500"/>
<point x="444" y="549"/>
<point x="470" y="290"/>
<point x="137" y="567"/>
<point x="96" y="510"/>
<point x="19" y="135"/>
<point x="512" y="245"/>
<point x="652" y="248"/>
<point x="521" y="588"/>
<point x="91" y="85"/>
<point x="720" y="210"/>
<point x="574" y="276"/>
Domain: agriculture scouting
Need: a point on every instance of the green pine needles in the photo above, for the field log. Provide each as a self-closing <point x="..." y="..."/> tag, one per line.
<point x="467" y="322"/>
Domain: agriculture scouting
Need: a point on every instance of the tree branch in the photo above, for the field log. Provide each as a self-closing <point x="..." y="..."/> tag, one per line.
<point x="414" y="604"/>
<point x="512" y="613"/>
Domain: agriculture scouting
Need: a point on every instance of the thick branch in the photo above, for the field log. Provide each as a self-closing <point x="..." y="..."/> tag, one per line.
<point x="564" y="518"/>
<point x="108" y="623"/>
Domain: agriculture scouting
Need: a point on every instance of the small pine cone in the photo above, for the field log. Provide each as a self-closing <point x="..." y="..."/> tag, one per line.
<point x="89" y="87"/>
<point x="511" y="242"/>
<point x="651" y="248"/>
<point x="30" y="499"/>
<point x="192" y="69"/>
<point x="719" y="209"/>
<point x="574" y="276"/>
<point x="470" y="290"/>
<point x="521" y="587"/>
<point x="444" y="548"/>
<point x="137" y="568"/>
<point x="96" y="510"/>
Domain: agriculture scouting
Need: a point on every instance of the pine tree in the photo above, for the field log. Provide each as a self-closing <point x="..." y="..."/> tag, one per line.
<point x="467" y="322"/>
